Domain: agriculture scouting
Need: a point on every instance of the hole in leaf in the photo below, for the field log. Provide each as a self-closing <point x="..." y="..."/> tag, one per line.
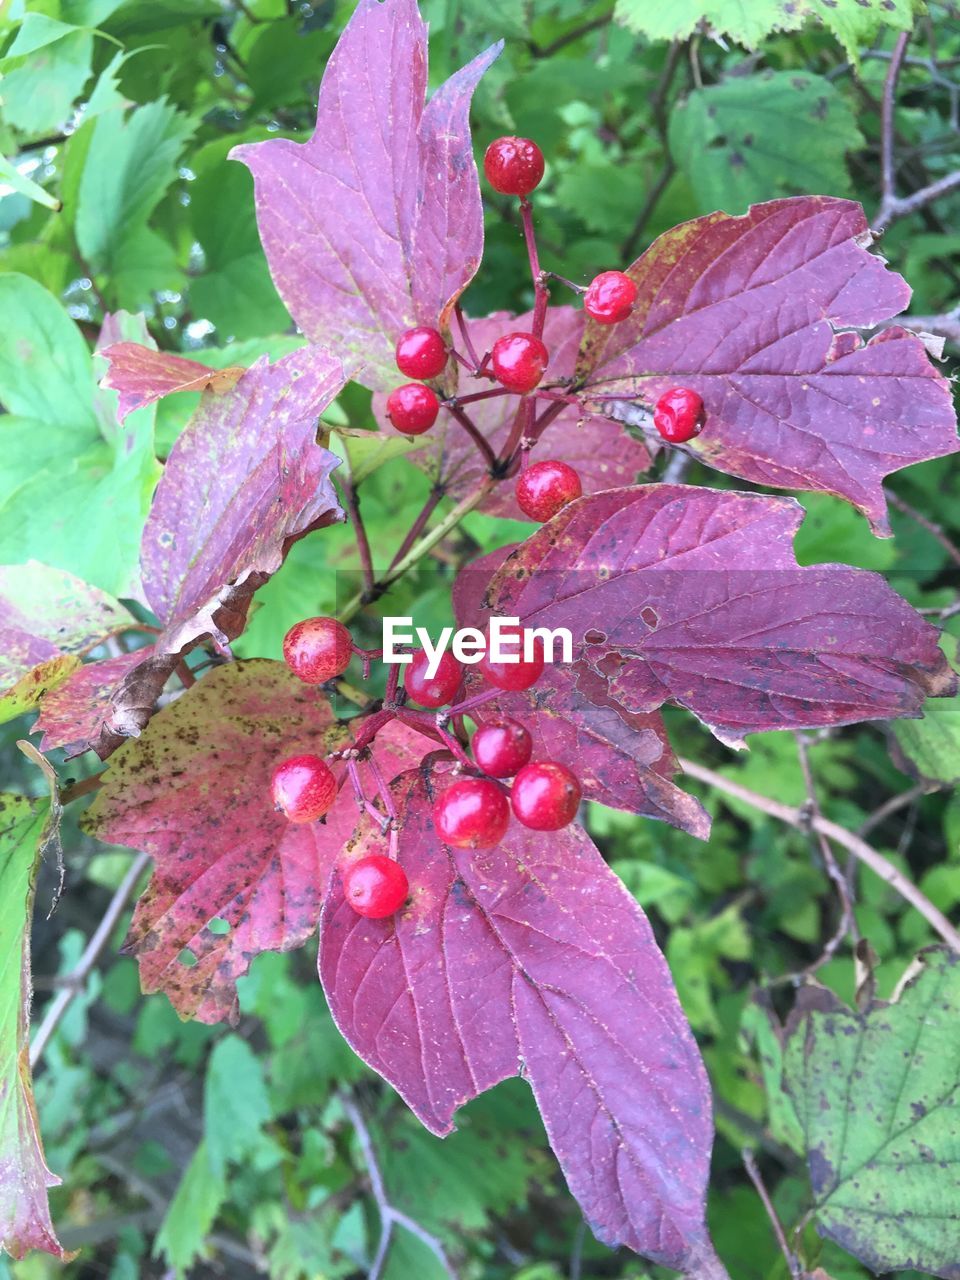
<point x="218" y="926"/>
<point x="650" y="617"/>
<point x="595" y="637"/>
<point x="187" y="958"/>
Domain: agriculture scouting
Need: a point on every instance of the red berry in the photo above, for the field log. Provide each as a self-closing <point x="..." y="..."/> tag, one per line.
<point x="421" y="353"/>
<point x="376" y="886"/>
<point x="514" y="166"/>
<point x="545" y="796"/>
<point x="610" y="297"/>
<point x="317" y="649"/>
<point x="516" y="675"/>
<point x="303" y="788"/>
<point x="436" y="690"/>
<point x="545" y="488"/>
<point x="502" y="747"/>
<point x="413" y="408"/>
<point x="679" y="415"/>
<point x="472" y="814"/>
<point x="519" y="361"/>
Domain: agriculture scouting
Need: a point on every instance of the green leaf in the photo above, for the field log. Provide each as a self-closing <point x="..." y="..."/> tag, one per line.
<point x="930" y="748"/>
<point x="759" y="1028"/>
<point x="876" y="1094"/>
<point x="192" y="1212"/>
<point x="11" y="176"/>
<point x="36" y="32"/>
<point x="752" y="138"/>
<point x="45" y="368"/>
<point x="39" y="88"/>
<point x="235" y="1104"/>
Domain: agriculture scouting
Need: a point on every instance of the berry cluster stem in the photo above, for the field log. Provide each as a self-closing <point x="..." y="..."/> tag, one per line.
<point x="541" y="293"/>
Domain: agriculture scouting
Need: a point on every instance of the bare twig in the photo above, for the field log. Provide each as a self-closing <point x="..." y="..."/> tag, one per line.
<point x="352" y="500"/>
<point x="862" y="851"/>
<point x="547" y="50"/>
<point x="893" y="805"/>
<point x="933" y="529"/>
<point x="946" y="325"/>
<point x="91" y="954"/>
<point x="753" y="1169"/>
<point x="390" y="1216"/>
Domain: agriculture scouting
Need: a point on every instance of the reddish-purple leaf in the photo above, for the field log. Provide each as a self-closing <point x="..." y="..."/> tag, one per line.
<point x="193" y="791"/>
<point x="142" y="375"/>
<point x="604" y="456"/>
<point x="375" y="223"/>
<point x="72" y="715"/>
<point x="693" y="596"/>
<point x="758" y="314"/>
<point x="244" y="481"/>
<point x="531" y="958"/>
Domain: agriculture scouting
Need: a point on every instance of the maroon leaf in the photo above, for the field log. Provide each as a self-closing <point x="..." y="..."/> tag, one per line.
<point x="693" y="596"/>
<point x="757" y="314"/>
<point x="142" y="375"/>
<point x="603" y="454"/>
<point x="244" y="481"/>
<point x="532" y="959"/>
<point x="194" y="792"/>
<point x="375" y="223"/>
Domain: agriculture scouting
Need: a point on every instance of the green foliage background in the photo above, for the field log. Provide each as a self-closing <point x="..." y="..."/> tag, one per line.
<point x="187" y="1150"/>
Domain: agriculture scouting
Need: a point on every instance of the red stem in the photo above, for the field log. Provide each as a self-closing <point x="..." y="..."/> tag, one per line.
<point x="540" y="291"/>
<point x="465" y="335"/>
<point x="419" y="524"/>
<point x="482" y="395"/>
<point x="363" y="542"/>
<point x="488" y="455"/>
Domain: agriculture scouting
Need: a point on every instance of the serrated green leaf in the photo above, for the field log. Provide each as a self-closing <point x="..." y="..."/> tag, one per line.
<point x="192" y="1212"/>
<point x="40" y="88"/>
<point x="235" y="1104"/>
<point x="37" y="31"/>
<point x="930" y="747"/>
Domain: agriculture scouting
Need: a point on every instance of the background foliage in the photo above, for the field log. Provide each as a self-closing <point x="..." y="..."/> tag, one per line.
<point x="193" y="1150"/>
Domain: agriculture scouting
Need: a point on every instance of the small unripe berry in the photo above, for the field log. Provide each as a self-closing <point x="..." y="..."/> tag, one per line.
<point x="303" y="788"/>
<point x="472" y="814"/>
<point x="679" y="415"/>
<point x="519" y="361"/>
<point x="545" y="796"/>
<point x="421" y="353"/>
<point x="376" y="886"/>
<point x="610" y="297"/>
<point x="413" y="408"/>
<point x="436" y="690"/>
<point x="514" y="166"/>
<point x="317" y="649"/>
<point x="545" y="488"/>
<point x="519" y="674"/>
<point x="502" y="747"/>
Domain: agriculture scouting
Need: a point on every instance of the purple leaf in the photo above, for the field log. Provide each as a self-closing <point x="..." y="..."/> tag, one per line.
<point x="375" y="224"/>
<point x="142" y="375"/>
<point x="602" y="453"/>
<point x="532" y="959"/>
<point x="693" y="596"/>
<point x="758" y="314"/>
<point x="194" y="792"/>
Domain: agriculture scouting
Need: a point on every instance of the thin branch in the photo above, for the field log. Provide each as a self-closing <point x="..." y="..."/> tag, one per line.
<point x="561" y="42"/>
<point x="418" y="526"/>
<point x="946" y="325"/>
<point x="919" y="518"/>
<point x="91" y="954"/>
<point x="896" y="209"/>
<point x="753" y="1169"/>
<point x="893" y="805"/>
<point x="489" y="457"/>
<point x="862" y="851"/>
<point x="363" y="542"/>
<point x="541" y="294"/>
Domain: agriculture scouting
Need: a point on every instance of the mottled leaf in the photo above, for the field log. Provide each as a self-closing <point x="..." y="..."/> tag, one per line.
<point x="930" y="748"/>
<point x="603" y="454"/>
<point x="193" y="791"/>
<point x="375" y="223"/>
<point x="758" y="314"/>
<point x="142" y="375"/>
<point x="72" y="714"/>
<point x="532" y="958"/>
<point x="876" y="1094"/>
<point x="693" y="596"/>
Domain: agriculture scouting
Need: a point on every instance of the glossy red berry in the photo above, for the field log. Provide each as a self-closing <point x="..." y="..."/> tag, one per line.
<point x="502" y="747"/>
<point x="472" y="814"/>
<point x="376" y="886"/>
<point x="519" y="361"/>
<point x="421" y="353"/>
<point x="545" y="488"/>
<point x="516" y="675"/>
<point x="317" y="649"/>
<point x="436" y="690"/>
<point x="545" y="796"/>
<point x="413" y="408"/>
<point x="303" y="788"/>
<point x="679" y="415"/>
<point x="514" y="166"/>
<point x="610" y="297"/>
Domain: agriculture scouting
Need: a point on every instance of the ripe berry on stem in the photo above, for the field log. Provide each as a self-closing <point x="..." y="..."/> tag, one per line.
<point x="413" y="408"/>
<point x="436" y="690"/>
<point x="610" y="297"/>
<point x="545" y="796"/>
<point x="303" y="788"/>
<point x="679" y="415"/>
<point x="502" y="747"/>
<point x="472" y="814"/>
<point x="519" y="674"/>
<point x="545" y="488"/>
<point x="421" y="353"/>
<point x="376" y="886"/>
<point x="514" y="166"/>
<point x="519" y="361"/>
<point x="317" y="649"/>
